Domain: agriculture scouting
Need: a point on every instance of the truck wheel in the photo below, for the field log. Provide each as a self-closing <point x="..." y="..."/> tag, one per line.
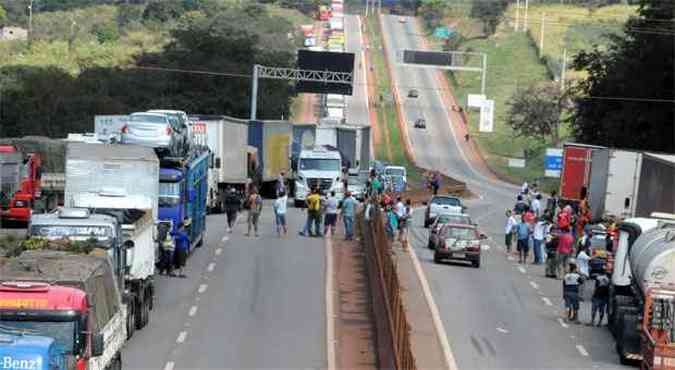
<point x="476" y="264"/>
<point x="116" y="363"/>
<point x="628" y="330"/>
<point x="131" y="319"/>
<point x="618" y="307"/>
<point x="140" y="311"/>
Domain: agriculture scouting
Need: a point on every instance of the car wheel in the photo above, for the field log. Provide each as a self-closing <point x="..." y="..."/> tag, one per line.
<point x="437" y="259"/>
<point x="475" y="264"/>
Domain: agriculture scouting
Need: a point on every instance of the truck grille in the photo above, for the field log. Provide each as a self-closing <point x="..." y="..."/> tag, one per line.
<point x="323" y="184"/>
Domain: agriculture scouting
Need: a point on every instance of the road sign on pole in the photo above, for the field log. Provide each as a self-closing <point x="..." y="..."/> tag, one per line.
<point x="487" y="112"/>
<point x="553" y="162"/>
<point x="475" y="100"/>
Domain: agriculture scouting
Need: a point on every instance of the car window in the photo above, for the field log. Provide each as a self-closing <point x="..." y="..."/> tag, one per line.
<point x="462" y="233"/>
<point x="454" y="219"/>
<point x="147" y="118"/>
<point x="446" y="201"/>
<point x="173" y="120"/>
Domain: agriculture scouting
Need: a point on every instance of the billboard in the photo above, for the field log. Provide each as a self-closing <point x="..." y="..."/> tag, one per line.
<point x="487" y="112"/>
<point x="553" y="162"/>
<point x="431" y="58"/>
<point x="325" y="61"/>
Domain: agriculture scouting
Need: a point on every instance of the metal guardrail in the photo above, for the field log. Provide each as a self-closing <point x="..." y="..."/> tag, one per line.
<point x="394" y="349"/>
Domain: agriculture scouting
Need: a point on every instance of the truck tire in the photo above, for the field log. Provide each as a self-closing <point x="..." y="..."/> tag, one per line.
<point x="627" y="331"/>
<point x="115" y="363"/>
<point x="131" y="318"/>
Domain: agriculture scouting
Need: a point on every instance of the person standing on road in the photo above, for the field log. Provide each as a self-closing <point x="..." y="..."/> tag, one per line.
<point x="600" y="298"/>
<point x="552" y="256"/>
<point x="348" y="211"/>
<point x="280" y="206"/>
<point x="523" y="232"/>
<point x="330" y="219"/>
<point x="405" y="223"/>
<point x="536" y="205"/>
<point x="232" y="206"/>
<point x="399" y="209"/>
<point x="521" y="206"/>
<point x="181" y="251"/>
<point x="167" y="249"/>
<point x="392" y="223"/>
<point x="313" y="214"/>
<point x="524" y="188"/>
<point x="254" y="204"/>
<point x="509" y="230"/>
<point x="538" y="236"/>
<point x="571" y="282"/>
<point x="435" y="182"/>
<point x="280" y="186"/>
<point x="565" y="248"/>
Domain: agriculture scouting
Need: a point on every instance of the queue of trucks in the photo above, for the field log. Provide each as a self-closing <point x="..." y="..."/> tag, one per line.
<point x="20" y="175"/>
<point x="636" y="189"/>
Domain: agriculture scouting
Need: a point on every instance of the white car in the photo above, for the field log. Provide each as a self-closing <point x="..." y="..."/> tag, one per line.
<point x="402" y="20"/>
<point x="441" y="204"/>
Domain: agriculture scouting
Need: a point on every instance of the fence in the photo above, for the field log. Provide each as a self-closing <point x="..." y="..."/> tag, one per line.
<point x="394" y="349"/>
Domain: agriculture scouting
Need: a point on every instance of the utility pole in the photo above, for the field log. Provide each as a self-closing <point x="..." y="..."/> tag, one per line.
<point x="517" y="14"/>
<point x="564" y="68"/>
<point x="541" y="35"/>
<point x="525" y="17"/>
<point x="484" y="77"/>
<point x="30" y="20"/>
<point x="254" y="92"/>
<point x="367" y="3"/>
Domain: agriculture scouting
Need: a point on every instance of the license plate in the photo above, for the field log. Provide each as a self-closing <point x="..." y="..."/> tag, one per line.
<point x="458" y="255"/>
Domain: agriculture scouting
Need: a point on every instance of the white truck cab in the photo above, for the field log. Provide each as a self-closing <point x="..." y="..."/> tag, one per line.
<point x="318" y="167"/>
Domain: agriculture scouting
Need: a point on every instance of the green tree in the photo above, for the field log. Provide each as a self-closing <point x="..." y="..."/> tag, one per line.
<point x="3" y="16"/>
<point x="432" y="11"/>
<point x="535" y="112"/>
<point x="627" y="99"/>
<point x="489" y="12"/>
<point x="163" y="10"/>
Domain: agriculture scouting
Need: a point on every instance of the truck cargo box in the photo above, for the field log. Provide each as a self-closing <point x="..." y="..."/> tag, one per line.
<point x="657" y="185"/>
<point x="614" y="182"/>
<point x="112" y="176"/>
<point x="272" y="139"/>
<point x="576" y="170"/>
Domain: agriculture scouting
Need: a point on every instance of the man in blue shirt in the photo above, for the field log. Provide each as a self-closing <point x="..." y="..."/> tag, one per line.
<point x="523" y="232"/>
<point x="182" y="247"/>
<point x="348" y="208"/>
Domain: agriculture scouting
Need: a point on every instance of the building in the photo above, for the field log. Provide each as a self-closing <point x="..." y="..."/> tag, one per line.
<point x="13" y="33"/>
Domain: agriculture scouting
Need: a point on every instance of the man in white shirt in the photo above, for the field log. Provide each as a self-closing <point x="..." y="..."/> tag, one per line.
<point x="330" y="220"/>
<point x="538" y="235"/>
<point x="536" y="205"/>
<point x="511" y="223"/>
<point x="280" y="206"/>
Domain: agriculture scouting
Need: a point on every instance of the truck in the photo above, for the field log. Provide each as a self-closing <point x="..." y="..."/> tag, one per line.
<point x="272" y="140"/>
<point x="318" y="167"/>
<point x="60" y="311"/>
<point x="353" y="143"/>
<point x="575" y="175"/>
<point x="644" y="260"/>
<point x="656" y="184"/>
<point x="232" y="163"/>
<point x="20" y="175"/>
<point x="333" y="116"/>
<point x="614" y="182"/>
<point x="658" y="329"/>
<point x="334" y="101"/>
<point x="121" y="181"/>
<point x="183" y="191"/>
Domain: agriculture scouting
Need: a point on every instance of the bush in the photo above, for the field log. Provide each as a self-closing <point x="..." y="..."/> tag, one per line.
<point x="163" y="11"/>
<point x="106" y="33"/>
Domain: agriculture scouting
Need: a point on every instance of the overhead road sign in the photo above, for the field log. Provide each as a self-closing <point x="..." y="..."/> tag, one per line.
<point x="323" y="61"/>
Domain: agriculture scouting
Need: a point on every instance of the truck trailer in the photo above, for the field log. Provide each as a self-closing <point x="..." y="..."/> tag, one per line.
<point x="121" y="181"/>
<point x="60" y="311"/>
<point x="576" y="172"/>
<point x="183" y="190"/>
<point x="614" y="182"/>
<point x="656" y="184"/>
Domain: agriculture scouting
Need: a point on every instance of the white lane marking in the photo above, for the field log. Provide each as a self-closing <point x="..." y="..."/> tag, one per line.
<point x="219" y="251"/>
<point x="501" y="330"/>
<point x="224" y="239"/>
<point x="547" y="301"/>
<point x="330" y="313"/>
<point x="522" y="269"/>
<point x="436" y="317"/>
<point x="193" y="311"/>
<point x="211" y="266"/>
<point x="562" y="323"/>
<point x="510" y="258"/>
<point x="169" y="365"/>
<point x="202" y="288"/>
<point x="582" y="350"/>
<point x="181" y="337"/>
<point x="534" y="285"/>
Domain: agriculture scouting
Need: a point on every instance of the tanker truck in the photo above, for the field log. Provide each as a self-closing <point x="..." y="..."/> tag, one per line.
<point x="651" y="259"/>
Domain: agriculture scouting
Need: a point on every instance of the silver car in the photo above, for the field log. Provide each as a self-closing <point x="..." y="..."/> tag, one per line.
<point x="156" y="130"/>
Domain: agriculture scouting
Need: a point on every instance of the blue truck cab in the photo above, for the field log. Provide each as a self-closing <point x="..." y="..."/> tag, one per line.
<point x="183" y="190"/>
<point x="29" y="352"/>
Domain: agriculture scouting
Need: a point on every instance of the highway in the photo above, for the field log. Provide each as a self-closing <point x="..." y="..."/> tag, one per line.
<point x="248" y="303"/>
<point x="501" y="316"/>
<point x="357" y="103"/>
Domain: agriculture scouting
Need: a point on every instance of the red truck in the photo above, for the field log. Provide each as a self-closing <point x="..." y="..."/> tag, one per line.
<point x="20" y="175"/>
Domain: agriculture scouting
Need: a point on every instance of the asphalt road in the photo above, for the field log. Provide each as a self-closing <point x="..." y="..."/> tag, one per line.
<point x="501" y="316"/>
<point x="248" y="303"/>
<point x="357" y="103"/>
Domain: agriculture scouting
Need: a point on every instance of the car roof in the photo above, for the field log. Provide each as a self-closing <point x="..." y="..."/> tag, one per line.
<point x="148" y="114"/>
<point x="445" y="196"/>
<point x="459" y="226"/>
<point x="166" y="111"/>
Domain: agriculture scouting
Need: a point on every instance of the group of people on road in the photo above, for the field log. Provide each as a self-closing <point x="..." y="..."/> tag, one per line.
<point x="560" y="237"/>
<point x="324" y="212"/>
<point x="173" y="249"/>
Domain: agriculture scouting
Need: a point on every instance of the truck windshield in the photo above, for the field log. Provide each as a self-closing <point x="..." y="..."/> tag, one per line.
<point x="320" y="164"/>
<point x="394" y="172"/>
<point x="169" y="194"/>
<point x="76" y="232"/>
<point x="63" y="332"/>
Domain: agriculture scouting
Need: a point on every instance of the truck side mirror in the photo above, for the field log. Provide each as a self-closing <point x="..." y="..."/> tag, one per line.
<point x="129" y="244"/>
<point x="97" y="345"/>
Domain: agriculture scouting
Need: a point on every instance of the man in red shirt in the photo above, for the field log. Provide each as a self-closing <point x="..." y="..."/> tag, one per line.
<point x="565" y="250"/>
